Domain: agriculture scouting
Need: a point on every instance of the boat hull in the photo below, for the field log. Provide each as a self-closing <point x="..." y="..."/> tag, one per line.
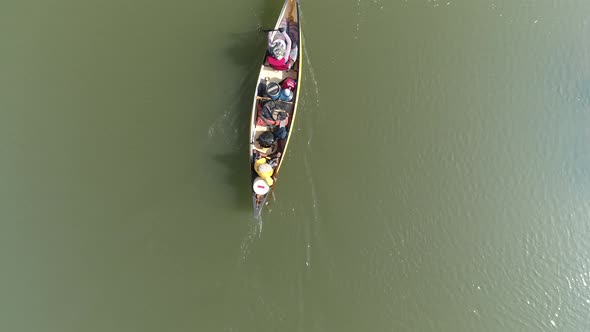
<point x="289" y="19"/>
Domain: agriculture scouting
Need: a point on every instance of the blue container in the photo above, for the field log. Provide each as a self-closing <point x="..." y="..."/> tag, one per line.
<point x="286" y="95"/>
<point x="273" y="90"/>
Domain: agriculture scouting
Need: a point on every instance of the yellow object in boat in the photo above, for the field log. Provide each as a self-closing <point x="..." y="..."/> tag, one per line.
<point x="264" y="170"/>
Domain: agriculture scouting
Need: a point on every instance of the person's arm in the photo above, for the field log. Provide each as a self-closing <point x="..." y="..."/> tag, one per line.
<point x="270" y="38"/>
<point x="288" y="40"/>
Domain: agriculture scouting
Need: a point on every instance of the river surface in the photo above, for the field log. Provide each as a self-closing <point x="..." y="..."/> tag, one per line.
<point x="437" y="178"/>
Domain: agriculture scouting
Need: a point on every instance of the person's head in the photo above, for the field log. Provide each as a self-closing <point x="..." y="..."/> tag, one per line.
<point x="278" y="49"/>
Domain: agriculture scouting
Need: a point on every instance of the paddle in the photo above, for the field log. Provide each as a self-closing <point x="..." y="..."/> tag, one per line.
<point x="269" y="30"/>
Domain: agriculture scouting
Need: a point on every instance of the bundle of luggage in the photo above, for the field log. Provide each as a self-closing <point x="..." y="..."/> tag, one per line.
<point x="268" y="138"/>
<point x="272" y="114"/>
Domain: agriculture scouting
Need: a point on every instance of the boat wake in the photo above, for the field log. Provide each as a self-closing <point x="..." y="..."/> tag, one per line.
<point x="315" y="93"/>
<point x="311" y="73"/>
<point x="308" y="228"/>
<point x="226" y="124"/>
<point x="254" y="232"/>
<point x="314" y="196"/>
<point x="306" y="233"/>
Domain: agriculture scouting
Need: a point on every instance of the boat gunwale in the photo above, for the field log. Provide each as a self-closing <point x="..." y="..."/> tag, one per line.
<point x="258" y="207"/>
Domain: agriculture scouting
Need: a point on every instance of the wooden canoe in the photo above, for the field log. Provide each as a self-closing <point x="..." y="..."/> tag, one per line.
<point x="288" y="19"/>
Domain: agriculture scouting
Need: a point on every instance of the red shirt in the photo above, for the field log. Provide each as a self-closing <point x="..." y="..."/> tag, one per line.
<point x="282" y="64"/>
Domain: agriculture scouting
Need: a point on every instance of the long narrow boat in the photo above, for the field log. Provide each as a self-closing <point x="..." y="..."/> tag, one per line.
<point x="272" y="117"/>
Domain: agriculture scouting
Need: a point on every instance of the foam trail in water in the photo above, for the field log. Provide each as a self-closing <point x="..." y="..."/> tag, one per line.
<point x="314" y="196"/>
<point x="316" y="92"/>
<point x="358" y="15"/>
<point x="228" y="116"/>
<point x="311" y="73"/>
<point x="254" y="232"/>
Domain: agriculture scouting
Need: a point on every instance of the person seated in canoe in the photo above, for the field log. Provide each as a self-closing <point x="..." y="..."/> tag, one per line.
<point x="270" y="160"/>
<point x="281" y="134"/>
<point x="281" y="56"/>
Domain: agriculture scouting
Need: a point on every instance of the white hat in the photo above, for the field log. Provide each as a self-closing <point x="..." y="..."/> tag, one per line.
<point x="260" y="186"/>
